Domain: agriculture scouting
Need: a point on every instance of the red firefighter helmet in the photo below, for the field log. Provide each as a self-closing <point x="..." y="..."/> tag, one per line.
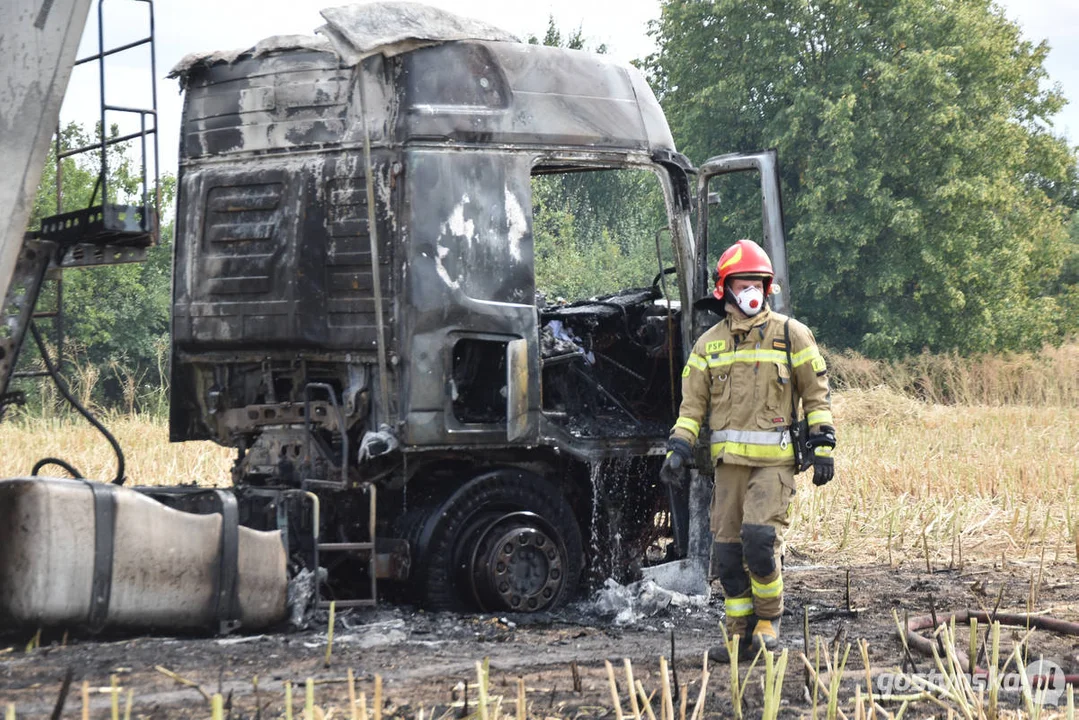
<point x="744" y="258"/>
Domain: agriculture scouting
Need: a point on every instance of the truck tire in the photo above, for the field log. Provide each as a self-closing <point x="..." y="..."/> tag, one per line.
<point x="506" y="540"/>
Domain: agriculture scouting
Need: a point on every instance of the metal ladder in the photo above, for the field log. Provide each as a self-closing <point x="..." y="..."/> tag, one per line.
<point x="367" y="547"/>
<point x="30" y="271"/>
<point x="105" y="233"/>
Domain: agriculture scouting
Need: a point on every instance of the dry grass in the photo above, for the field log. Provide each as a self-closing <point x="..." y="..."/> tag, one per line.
<point x="1047" y="378"/>
<point x="980" y="480"/>
<point x="151" y="458"/>
<point x="981" y="453"/>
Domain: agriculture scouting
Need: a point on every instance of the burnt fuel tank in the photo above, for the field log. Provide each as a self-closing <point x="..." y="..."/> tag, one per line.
<point x="75" y="553"/>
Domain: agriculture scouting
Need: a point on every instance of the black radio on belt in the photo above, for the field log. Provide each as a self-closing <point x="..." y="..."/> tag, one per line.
<point x="799" y="429"/>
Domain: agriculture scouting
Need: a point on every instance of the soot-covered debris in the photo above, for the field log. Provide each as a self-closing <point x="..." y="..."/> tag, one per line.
<point x="301" y="598"/>
<point x="629" y="604"/>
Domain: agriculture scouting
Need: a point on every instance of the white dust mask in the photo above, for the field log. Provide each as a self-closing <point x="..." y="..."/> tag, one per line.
<point x="750" y="300"/>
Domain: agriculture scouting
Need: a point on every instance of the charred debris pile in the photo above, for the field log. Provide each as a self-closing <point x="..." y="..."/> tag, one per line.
<point x="606" y="361"/>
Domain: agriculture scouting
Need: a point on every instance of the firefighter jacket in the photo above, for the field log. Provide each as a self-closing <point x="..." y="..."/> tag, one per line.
<point x="738" y="381"/>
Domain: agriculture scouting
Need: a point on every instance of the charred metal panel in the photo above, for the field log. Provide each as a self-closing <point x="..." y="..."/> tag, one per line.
<point x="469" y="274"/>
<point x="268" y="103"/>
<point x="526" y="94"/>
<point x="660" y="140"/>
<point x="278" y="255"/>
<point x="459" y="92"/>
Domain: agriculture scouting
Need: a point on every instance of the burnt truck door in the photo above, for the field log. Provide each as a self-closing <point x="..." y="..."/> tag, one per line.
<point x="470" y="342"/>
<point x="766" y="164"/>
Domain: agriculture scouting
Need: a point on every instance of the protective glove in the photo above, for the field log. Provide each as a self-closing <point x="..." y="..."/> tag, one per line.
<point x="822" y="443"/>
<point x="823" y="469"/>
<point x="679" y="456"/>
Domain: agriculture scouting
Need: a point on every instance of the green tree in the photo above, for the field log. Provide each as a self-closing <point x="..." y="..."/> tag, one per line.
<point x="116" y="318"/>
<point x="926" y="195"/>
<point x="594" y="232"/>
<point x="553" y="38"/>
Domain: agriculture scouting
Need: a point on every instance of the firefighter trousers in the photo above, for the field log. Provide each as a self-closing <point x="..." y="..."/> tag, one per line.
<point x="750" y="512"/>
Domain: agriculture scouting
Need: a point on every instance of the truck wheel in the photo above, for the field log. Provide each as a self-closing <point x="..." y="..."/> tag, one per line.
<point x="506" y="540"/>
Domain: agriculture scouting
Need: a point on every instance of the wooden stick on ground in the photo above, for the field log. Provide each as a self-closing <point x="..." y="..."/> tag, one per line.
<point x="351" y="695"/>
<point x="632" y="690"/>
<point x="805" y="641"/>
<point x="65" y="688"/>
<point x="614" y="690"/>
<point x="182" y="681"/>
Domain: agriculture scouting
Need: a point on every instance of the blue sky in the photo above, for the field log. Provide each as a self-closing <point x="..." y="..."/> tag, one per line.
<point x="185" y="26"/>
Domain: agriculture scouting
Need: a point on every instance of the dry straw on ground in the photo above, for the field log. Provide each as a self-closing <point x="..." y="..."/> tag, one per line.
<point x="1047" y="378"/>
<point x="980" y="480"/>
<point x="151" y="459"/>
<point x="954" y="694"/>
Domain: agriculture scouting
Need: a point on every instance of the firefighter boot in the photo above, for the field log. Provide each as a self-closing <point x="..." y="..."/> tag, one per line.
<point x="765" y="634"/>
<point x="739" y="622"/>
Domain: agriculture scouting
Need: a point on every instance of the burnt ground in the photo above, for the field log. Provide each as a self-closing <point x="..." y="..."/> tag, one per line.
<point x="422" y="656"/>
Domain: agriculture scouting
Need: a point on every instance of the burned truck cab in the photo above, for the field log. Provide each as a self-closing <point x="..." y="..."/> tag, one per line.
<point x="356" y="310"/>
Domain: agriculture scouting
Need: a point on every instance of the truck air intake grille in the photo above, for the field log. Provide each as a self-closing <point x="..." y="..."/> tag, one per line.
<point x="349" y="281"/>
<point x="240" y="244"/>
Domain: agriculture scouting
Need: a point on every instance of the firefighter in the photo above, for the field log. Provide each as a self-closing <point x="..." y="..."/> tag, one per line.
<point x="739" y="381"/>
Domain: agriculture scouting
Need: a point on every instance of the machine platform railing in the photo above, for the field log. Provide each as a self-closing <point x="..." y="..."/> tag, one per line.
<point x="102" y="233"/>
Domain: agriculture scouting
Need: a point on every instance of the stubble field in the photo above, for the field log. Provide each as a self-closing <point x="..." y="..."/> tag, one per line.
<point x="957" y="487"/>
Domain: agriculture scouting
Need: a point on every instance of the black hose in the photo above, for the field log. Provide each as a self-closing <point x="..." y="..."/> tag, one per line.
<point x="62" y="387"/>
<point x="71" y="469"/>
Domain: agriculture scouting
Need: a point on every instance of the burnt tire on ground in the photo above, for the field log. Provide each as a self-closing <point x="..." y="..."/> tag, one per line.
<point x="505" y="540"/>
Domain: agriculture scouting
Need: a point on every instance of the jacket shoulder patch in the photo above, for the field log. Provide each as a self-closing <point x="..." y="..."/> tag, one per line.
<point x="779" y="344"/>
<point x="716" y="346"/>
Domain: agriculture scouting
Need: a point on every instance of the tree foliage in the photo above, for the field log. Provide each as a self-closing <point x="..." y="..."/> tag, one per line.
<point x="927" y="198"/>
<point x="594" y="232"/>
<point x="554" y="38"/>
<point x="116" y="318"/>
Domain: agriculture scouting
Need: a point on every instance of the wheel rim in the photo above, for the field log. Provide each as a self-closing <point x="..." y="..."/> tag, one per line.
<point x="518" y="564"/>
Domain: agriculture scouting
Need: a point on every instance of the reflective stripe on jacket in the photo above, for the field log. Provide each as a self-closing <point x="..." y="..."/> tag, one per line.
<point x="737" y="380"/>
